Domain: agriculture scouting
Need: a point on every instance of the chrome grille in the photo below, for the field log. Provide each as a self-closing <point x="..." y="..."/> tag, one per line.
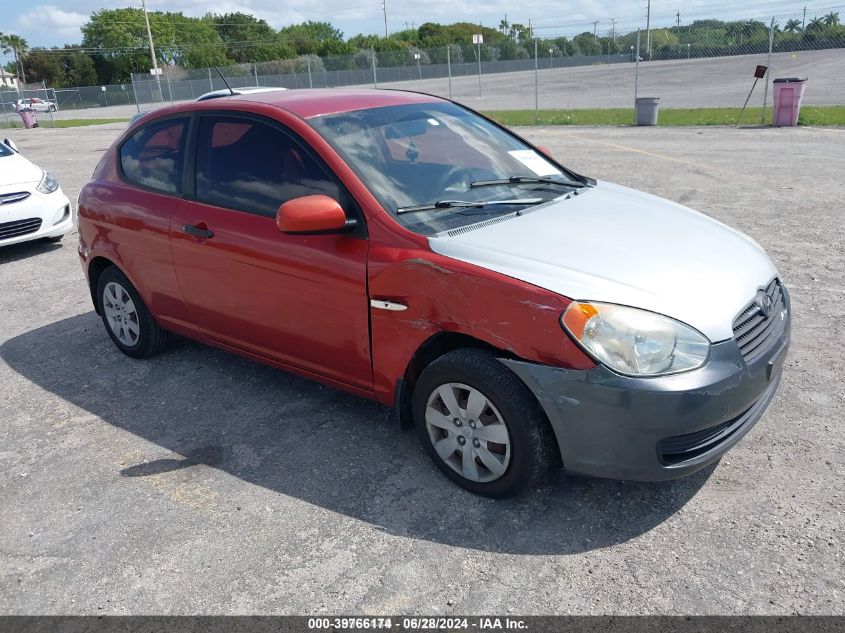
<point x="759" y="324"/>
<point x="9" y="198"/>
<point x="19" y="227"/>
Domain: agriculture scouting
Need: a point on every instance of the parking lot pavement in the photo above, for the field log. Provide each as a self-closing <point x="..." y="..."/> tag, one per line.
<point x="198" y="482"/>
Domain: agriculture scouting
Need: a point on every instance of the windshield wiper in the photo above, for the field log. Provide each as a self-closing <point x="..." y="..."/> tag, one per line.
<point x="464" y="204"/>
<point x="525" y="180"/>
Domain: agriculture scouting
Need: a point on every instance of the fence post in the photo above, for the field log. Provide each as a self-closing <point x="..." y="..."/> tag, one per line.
<point x="449" y="68"/>
<point x="536" y="84"/>
<point x="3" y="105"/>
<point x="637" y="77"/>
<point x="478" y="54"/>
<point x="768" y="73"/>
<point x="134" y="92"/>
<point x="255" y="72"/>
<point x="210" y="81"/>
<point x="310" y="82"/>
<point x="169" y="89"/>
<point x="375" y="79"/>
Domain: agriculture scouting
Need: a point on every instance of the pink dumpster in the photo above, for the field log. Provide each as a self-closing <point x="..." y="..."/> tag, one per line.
<point x="28" y="118"/>
<point x="787" y="94"/>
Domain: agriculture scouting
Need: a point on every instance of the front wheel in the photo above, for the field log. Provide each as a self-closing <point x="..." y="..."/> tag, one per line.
<point x="481" y="425"/>
<point x="128" y="322"/>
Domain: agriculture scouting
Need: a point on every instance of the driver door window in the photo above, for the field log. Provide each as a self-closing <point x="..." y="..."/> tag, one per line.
<point x="252" y="166"/>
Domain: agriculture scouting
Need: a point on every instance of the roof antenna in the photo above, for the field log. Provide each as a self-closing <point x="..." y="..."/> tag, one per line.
<point x="224" y="80"/>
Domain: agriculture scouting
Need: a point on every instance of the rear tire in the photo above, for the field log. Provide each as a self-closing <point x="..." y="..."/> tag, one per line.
<point x="128" y="321"/>
<point x="482" y="426"/>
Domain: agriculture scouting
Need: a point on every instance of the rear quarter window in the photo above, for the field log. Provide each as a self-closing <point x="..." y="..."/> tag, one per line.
<point x="153" y="157"/>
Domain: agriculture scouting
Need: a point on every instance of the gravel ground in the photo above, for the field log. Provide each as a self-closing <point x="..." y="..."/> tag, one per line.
<point x="198" y="482"/>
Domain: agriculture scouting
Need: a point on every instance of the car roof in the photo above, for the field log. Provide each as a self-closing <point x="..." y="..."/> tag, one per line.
<point x="313" y="102"/>
<point x="225" y="92"/>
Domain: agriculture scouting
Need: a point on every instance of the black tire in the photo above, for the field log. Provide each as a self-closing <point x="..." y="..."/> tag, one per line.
<point x="151" y="339"/>
<point x="533" y="448"/>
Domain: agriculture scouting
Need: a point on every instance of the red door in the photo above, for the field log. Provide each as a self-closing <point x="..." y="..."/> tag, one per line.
<point x="297" y="299"/>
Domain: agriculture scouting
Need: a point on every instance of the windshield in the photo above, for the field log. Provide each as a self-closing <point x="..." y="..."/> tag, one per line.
<point x="417" y="155"/>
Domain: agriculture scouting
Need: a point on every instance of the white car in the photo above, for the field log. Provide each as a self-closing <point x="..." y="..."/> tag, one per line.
<point x="32" y="204"/>
<point x="39" y="105"/>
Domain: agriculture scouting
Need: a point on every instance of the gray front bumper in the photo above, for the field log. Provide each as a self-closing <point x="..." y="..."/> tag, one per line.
<point x="653" y="429"/>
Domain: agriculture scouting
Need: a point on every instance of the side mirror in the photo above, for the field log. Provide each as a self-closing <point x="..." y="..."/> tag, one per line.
<point x="545" y="150"/>
<point x="313" y="215"/>
<point x="11" y="145"/>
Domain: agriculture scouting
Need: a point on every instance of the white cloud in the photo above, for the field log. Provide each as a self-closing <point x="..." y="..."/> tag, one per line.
<point x="51" y="19"/>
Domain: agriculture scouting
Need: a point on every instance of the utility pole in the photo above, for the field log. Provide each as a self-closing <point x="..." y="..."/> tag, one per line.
<point x="150" y="38"/>
<point x="613" y="29"/>
<point x="152" y="48"/>
<point x="595" y="29"/>
<point x="384" y="8"/>
<point x="679" y="20"/>
<point x="648" y="30"/>
<point x="804" y="19"/>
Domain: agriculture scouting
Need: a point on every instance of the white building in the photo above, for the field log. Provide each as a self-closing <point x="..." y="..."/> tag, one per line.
<point x="7" y="80"/>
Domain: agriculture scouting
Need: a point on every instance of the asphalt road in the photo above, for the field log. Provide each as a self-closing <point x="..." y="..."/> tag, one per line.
<point x="198" y="482"/>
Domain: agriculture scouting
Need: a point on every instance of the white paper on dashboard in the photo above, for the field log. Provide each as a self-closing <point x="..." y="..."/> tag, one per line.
<point x="536" y="163"/>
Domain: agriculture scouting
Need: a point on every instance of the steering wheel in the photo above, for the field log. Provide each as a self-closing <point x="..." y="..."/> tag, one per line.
<point x="456" y="179"/>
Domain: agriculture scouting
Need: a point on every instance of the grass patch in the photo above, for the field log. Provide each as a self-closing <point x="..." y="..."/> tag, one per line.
<point x="46" y="122"/>
<point x="810" y="115"/>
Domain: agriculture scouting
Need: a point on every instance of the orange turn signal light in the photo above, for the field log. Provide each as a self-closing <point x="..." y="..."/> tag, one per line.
<point x="576" y="316"/>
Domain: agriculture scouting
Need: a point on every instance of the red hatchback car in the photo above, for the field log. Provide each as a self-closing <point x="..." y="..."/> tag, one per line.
<point x="406" y="249"/>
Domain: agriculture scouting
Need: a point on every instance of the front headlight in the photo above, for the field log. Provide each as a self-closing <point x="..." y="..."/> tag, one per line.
<point x="49" y="183"/>
<point x="635" y="342"/>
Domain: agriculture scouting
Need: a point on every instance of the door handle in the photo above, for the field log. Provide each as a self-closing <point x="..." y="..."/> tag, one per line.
<point x="197" y="231"/>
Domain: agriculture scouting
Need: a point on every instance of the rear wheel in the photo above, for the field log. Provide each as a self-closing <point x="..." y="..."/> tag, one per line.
<point x="128" y="322"/>
<point x="481" y="425"/>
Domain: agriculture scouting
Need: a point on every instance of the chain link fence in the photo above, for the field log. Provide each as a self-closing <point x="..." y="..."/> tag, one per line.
<point x="706" y="64"/>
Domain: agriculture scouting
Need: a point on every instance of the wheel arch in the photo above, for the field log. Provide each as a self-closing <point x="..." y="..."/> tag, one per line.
<point x="431" y="349"/>
<point x="95" y="268"/>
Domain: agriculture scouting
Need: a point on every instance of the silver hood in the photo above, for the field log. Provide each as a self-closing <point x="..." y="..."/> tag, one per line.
<point x="618" y="245"/>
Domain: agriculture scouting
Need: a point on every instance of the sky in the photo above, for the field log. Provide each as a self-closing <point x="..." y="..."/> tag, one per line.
<point x="57" y="22"/>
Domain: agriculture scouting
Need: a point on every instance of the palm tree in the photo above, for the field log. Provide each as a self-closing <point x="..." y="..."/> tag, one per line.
<point x="831" y="19"/>
<point x="792" y="26"/>
<point x="815" y="25"/>
<point x="504" y="25"/>
<point x="19" y="46"/>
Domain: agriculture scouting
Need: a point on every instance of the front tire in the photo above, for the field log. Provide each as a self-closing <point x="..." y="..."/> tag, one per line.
<point x="128" y="322"/>
<point x="481" y="425"/>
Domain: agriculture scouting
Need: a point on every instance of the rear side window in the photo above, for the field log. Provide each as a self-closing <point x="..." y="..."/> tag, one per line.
<point x="154" y="155"/>
<point x="253" y="166"/>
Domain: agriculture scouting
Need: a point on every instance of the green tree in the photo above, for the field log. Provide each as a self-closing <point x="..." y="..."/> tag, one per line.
<point x="119" y="39"/>
<point x="18" y="46"/>
<point x="78" y="68"/>
<point x="792" y="26"/>
<point x="46" y="66"/>
<point x="831" y="19"/>
<point x="61" y="68"/>
<point x="249" y="39"/>
<point x="585" y="44"/>
<point x="307" y="37"/>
